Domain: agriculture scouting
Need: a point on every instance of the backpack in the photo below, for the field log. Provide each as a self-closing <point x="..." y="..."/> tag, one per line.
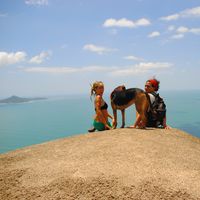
<point x="157" y="112"/>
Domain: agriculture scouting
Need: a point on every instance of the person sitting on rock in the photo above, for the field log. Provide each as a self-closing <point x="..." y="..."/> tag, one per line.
<point x="156" y="115"/>
<point x="100" y="122"/>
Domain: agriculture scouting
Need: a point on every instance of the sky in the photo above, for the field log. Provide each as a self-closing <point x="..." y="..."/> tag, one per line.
<point x="60" y="47"/>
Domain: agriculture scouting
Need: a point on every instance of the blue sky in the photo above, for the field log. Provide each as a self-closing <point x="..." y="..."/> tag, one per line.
<point x="59" y="47"/>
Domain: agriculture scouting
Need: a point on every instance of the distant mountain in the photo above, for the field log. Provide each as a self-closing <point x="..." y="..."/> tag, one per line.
<point x="16" y="99"/>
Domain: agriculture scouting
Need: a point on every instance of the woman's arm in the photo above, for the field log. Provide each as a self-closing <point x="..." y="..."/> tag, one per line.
<point x="99" y="113"/>
<point x="110" y="116"/>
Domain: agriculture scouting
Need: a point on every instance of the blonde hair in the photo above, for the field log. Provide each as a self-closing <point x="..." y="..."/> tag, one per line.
<point x="94" y="86"/>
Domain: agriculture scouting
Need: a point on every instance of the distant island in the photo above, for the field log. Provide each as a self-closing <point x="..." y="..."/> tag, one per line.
<point x="16" y="99"/>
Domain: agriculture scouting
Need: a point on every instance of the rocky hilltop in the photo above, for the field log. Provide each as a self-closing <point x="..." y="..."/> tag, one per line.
<point x="117" y="164"/>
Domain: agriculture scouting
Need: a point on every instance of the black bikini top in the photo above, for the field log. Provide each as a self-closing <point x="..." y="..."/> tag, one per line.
<point x="104" y="107"/>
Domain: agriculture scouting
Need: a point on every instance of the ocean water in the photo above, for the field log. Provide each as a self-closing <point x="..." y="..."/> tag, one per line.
<point x="40" y="121"/>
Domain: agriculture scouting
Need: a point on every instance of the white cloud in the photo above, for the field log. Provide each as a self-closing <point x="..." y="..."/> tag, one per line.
<point x="68" y="70"/>
<point x="178" y="36"/>
<point x="40" y="58"/>
<point x="37" y="2"/>
<point x="11" y="58"/>
<point x="135" y="58"/>
<point x="50" y="70"/>
<point x="97" y="69"/>
<point x="123" y="22"/>
<point x="118" y="23"/>
<point x="140" y="68"/>
<point x="195" y="31"/>
<point x="153" y="65"/>
<point x="142" y="22"/>
<point x="170" y="17"/>
<point x="193" y="12"/>
<point x="154" y="34"/>
<point x="98" y="49"/>
<point x="182" y="29"/>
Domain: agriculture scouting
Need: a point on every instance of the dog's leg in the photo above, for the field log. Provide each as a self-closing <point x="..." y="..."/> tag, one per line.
<point x="123" y="118"/>
<point x="115" y="118"/>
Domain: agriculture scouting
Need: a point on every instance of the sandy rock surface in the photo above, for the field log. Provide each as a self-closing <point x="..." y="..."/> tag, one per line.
<point x="116" y="164"/>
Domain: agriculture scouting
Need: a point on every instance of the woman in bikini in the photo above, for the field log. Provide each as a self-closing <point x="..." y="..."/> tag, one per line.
<point x="100" y="122"/>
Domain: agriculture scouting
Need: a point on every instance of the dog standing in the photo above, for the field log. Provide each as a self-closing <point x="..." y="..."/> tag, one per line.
<point x="121" y="98"/>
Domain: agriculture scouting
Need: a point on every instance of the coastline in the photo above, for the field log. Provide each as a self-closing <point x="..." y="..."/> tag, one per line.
<point x="121" y="163"/>
<point x="40" y="121"/>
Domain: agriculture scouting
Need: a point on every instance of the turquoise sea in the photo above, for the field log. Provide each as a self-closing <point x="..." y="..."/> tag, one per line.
<point x="58" y="117"/>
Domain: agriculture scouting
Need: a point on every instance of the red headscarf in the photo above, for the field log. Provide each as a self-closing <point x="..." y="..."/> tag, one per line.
<point x="155" y="83"/>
